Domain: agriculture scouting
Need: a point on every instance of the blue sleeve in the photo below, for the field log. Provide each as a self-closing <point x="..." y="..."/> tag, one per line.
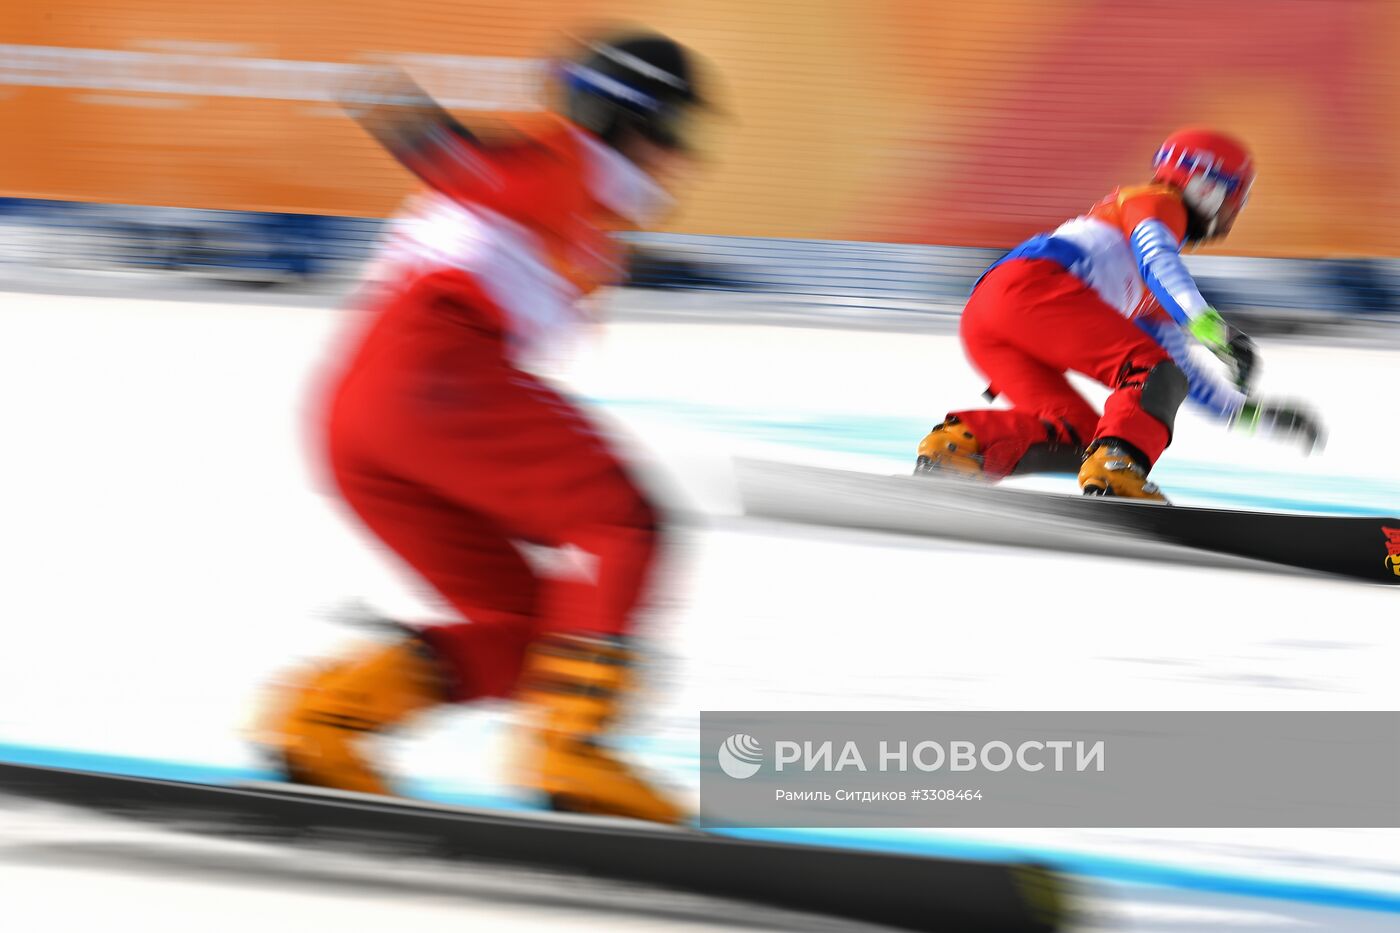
<point x="1206" y="390"/>
<point x="1158" y="257"/>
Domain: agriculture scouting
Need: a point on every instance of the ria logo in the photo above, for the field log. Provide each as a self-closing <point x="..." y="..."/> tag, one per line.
<point x="740" y="756"/>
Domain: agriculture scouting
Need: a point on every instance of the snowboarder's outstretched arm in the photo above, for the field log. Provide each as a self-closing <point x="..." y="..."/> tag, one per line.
<point x="1157" y="250"/>
<point x="419" y="132"/>
<point x="1158" y="254"/>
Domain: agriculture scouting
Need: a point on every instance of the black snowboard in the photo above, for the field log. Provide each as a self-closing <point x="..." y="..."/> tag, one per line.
<point x="1359" y="548"/>
<point x="901" y="891"/>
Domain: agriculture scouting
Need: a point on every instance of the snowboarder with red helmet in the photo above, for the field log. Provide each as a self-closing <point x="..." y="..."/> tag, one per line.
<point x="1107" y="295"/>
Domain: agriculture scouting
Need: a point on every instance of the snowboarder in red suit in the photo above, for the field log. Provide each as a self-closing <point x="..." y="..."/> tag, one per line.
<point x="453" y="455"/>
<point x="1107" y="295"/>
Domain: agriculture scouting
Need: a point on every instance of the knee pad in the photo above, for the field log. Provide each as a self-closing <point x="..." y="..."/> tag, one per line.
<point x="1163" y="391"/>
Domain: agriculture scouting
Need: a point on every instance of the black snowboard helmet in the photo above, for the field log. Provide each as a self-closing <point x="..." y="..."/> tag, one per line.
<point x="641" y="82"/>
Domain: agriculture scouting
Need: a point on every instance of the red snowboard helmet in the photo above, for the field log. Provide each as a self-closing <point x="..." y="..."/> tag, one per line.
<point x="1214" y="173"/>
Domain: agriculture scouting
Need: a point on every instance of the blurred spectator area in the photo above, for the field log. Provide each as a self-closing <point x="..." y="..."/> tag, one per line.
<point x="238" y="247"/>
<point x="871" y="156"/>
<point x="822" y="280"/>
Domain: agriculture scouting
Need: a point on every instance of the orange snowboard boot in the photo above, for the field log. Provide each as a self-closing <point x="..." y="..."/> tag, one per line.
<point x="572" y="686"/>
<point x="316" y="729"/>
<point x="949" y="448"/>
<point x="1110" y="470"/>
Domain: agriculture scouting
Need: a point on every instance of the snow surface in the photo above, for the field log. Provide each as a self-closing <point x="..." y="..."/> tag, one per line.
<point x="169" y="547"/>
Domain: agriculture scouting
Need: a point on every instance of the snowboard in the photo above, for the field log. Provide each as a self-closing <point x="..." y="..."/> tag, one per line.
<point x="1358" y="548"/>
<point x="897" y="890"/>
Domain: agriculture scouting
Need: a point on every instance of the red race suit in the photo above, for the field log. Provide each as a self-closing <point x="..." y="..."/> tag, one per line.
<point x="448" y="450"/>
<point x="1105" y="295"/>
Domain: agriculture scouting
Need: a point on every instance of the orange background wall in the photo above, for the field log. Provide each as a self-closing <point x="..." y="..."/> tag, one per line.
<point x="961" y="122"/>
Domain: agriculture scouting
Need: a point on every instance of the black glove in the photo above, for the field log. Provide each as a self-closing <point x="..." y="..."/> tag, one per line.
<point x="1243" y="360"/>
<point x="1283" y="420"/>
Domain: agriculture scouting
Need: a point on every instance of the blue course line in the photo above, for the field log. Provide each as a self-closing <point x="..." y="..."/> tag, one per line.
<point x="894" y="438"/>
<point x="162" y="769"/>
<point x="167" y="770"/>
<point x="1107" y="868"/>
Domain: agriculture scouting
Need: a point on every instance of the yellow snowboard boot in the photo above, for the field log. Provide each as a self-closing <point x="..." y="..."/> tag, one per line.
<point x="1110" y="470"/>
<point x="316" y="729"/>
<point x="572" y="686"/>
<point x="951" y="448"/>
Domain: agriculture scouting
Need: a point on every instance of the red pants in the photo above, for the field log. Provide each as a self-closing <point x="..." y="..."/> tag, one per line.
<point x="1027" y="323"/>
<point x="450" y="454"/>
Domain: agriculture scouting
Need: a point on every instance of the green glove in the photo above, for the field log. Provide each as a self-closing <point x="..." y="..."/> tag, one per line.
<point x="1212" y="331"/>
<point x="1229" y="345"/>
